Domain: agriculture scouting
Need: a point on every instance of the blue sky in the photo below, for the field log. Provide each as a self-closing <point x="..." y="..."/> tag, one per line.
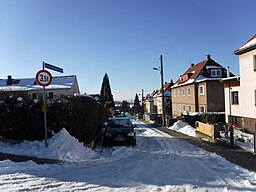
<point x="123" y="38"/>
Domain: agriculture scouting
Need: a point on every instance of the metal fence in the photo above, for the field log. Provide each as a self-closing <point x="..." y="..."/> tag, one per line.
<point x="239" y="137"/>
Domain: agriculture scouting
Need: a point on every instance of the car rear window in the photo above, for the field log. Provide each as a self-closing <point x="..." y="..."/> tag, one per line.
<point x="120" y="123"/>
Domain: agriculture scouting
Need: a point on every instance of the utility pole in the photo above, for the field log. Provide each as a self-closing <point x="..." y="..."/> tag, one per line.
<point x="162" y="84"/>
<point x="161" y="69"/>
<point x="142" y="102"/>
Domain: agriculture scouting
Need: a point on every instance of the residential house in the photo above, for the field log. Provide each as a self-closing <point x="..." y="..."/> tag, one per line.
<point x="199" y="89"/>
<point x="240" y="92"/>
<point x="157" y="97"/>
<point x="60" y="85"/>
<point x="232" y="106"/>
<point x="149" y="104"/>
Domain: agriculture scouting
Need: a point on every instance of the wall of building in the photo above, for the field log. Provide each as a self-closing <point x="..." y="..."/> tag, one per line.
<point x="179" y="99"/>
<point x="249" y="123"/>
<point x="149" y="106"/>
<point x="202" y="98"/>
<point x="215" y="96"/>
<point x="229" y="108"/>
<point x="248" y="85"/>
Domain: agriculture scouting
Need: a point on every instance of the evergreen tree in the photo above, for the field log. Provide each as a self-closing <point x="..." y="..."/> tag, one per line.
<point x="136" y="100"/>
<point x="105" y="93"/>
<point x="124" y="107"/>
<point x="136" y="105"/>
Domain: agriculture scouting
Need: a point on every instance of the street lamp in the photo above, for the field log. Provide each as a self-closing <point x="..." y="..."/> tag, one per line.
<point x="162" y="88"/>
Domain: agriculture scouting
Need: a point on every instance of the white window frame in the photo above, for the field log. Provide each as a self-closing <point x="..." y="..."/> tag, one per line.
<point x="189" y="91"/>
<point x="202" y="111"/>
<point x="255" y="97"/>
<point x="179" y="107"/>
<point x="184" y="108"/>
<point x="183" y="92"/>
<point x="216" y="72"/>
<point x="174" y="93"/>
<point x="189" y="108"/>
<point x="234" y="101"/>
<point x="178" y="92"/>
<point x="254" y="62"/>
<point x="175" y="107"/>
<point x="201" y="91"/>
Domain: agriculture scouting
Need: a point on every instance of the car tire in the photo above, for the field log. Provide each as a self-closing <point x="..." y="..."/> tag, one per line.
<point x="133" y="144"/>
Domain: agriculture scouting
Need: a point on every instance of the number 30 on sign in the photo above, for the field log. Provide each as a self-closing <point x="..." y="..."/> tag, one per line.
<point x="43" y="78"/>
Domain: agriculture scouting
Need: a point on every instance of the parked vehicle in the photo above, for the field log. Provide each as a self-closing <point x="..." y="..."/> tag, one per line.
<point x="119" y="130"/>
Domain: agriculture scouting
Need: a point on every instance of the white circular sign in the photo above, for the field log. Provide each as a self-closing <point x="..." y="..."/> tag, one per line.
<point x="43" y="78"/>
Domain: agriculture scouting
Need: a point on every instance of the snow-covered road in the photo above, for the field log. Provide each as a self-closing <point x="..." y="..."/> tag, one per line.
<point x="157" y="163"/>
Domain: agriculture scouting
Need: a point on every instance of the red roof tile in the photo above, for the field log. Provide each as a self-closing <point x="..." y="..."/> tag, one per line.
<point x="195" y="70"/>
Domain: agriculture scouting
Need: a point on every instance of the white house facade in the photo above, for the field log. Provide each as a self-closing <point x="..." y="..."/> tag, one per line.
<point x="60" y="85"/>
<point x="241" y="109"/>
<point x="149" y="104"/>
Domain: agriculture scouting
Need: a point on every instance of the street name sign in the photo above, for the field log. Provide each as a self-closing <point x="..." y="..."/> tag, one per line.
<point x="52" y="67"/>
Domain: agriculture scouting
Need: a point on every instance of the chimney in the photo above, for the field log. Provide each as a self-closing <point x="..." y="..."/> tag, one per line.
<point x="9" y="80"/>
<point x="228" y="73"/>
<point x="208" y="57"/>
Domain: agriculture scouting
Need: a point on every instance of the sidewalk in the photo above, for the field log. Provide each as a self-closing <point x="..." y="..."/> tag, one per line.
<point x="234" y="154"/>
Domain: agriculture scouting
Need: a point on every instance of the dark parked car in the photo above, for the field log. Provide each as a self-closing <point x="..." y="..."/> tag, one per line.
<point x="119" y="130"/>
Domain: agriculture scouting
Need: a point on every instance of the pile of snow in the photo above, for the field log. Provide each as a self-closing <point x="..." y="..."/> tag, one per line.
<point x="62" y="146"/>
<point x="184" y="128"/>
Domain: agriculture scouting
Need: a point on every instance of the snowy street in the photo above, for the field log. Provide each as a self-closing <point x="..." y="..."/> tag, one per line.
<point x="158" y="162"/>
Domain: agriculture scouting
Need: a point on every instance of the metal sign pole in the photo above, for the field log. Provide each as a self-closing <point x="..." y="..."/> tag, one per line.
<point x="45" y="117"/>
<point x="44" y="78"/>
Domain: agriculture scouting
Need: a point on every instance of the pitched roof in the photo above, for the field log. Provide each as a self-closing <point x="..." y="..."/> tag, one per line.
<point x="29" y="84"/>
<point x="197" y="72"/>
<point x="248" y="46"/>
<point x="168" y="85"/>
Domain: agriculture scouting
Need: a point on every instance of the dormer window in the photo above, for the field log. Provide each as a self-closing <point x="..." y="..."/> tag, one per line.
<point x="216" y="73"/>
<point x="16" y="81"/>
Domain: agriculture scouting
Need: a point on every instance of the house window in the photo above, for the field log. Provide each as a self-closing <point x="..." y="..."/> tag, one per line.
<point x="202" y="108"/>
<point x="216" y="73"/>
<point x="183" y="92"/>
<point x="174" y="93"/>
<point x="254" y="62"/>
<point x="50" y="95"/>
<point x="189" y="91"/>
<point x="201" y="90"/>
<point x="189" y="108"/>
<point x="178" y="107"/>
<point x="184" y="108"/>
<point x="175" y="108"/>
<point x="178" y="92"/>
<point x="16" y="81"/>
<point x="255" y="97"/>
<point x="234" y="98"/>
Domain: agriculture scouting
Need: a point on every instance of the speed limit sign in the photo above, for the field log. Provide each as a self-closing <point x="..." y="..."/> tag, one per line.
<point x="43" y="78"/>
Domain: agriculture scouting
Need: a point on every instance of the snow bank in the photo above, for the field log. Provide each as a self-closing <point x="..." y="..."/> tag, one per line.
<point x="184" y="128"/>
<point x="62" y="146"/>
